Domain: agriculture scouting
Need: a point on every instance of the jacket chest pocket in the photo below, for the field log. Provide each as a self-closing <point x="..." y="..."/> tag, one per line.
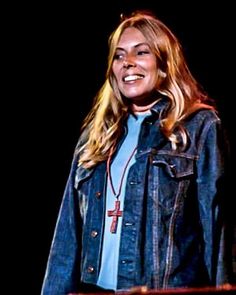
<point x="89" y="185"/>
<point x="172" y="177"/>
<point x="82" y="188"/>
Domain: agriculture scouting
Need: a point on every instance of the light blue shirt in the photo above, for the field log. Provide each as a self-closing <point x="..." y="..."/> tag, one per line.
<point x="110" y="253"/>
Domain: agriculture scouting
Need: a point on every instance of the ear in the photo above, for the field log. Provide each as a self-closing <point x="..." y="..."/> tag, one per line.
<point x="162" y="74"/>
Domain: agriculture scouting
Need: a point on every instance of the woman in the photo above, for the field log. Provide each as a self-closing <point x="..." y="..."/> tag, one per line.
<point x="143" y="205"/>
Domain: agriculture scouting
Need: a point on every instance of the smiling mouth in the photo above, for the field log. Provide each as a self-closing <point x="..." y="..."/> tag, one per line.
<point x="131" y="78"/>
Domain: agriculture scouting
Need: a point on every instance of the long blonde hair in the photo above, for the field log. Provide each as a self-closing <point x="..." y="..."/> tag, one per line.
<point x="104" y="123"/>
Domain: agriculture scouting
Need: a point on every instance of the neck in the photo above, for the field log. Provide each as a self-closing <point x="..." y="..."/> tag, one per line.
<point x="142" y="108"/>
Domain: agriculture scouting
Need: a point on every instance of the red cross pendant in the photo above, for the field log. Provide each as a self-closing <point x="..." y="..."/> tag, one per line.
<point x="114" y="214"/>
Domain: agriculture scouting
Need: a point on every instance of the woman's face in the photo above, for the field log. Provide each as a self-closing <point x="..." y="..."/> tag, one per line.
<point x="135" y="67"/>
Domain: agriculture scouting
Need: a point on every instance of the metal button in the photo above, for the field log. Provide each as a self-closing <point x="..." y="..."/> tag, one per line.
<point x="129" y="223"/>
<point x="149" y="122"/>
<point x="98" y="194"/>
<point x="90" y="269"/>
<point x="133" y="182"/>
<point x="172" y="167"/>
<point x="94" y="233"/>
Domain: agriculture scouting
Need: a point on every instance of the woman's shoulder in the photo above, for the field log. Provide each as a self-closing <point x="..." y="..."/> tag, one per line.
<point x="204" y="115"/>
<point x="82" y="139"/>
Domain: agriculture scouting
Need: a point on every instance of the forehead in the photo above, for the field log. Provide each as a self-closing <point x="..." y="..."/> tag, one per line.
<point x="132" y="37"/>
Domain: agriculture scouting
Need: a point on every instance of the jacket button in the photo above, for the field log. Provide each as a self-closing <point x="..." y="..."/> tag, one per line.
<point x="90" y="269"/>
<point x="172" y="168"/>
<point x="98" y="194"/>
<point x="94" y="233"/>
<point x="129" y="223"/>
<point x="132" y="182"/>
<point x="148" y="122"/>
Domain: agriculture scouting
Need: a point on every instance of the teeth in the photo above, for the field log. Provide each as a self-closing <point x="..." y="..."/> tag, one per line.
<point x="132" y="78"/>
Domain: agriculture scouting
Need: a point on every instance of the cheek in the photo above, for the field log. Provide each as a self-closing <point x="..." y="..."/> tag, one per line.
<point x="152" y="79"/>
<point x="153" y="73"/>
<point x="115" y="70"/>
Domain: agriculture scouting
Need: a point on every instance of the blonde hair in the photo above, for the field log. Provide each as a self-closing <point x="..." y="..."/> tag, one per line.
<point x="104" y="123"/>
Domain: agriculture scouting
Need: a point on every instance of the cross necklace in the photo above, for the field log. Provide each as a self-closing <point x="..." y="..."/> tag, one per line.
<point x="116" y="213"/>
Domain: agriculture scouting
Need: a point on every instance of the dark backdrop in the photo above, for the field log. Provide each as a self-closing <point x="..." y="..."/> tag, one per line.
<point x="60" y="64"/>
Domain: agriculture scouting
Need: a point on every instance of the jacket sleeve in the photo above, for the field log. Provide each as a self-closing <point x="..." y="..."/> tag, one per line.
<point x="215" y="203"/>
<point x="62" y="272"/>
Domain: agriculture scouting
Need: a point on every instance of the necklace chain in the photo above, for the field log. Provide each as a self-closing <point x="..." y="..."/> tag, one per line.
<point x="123" y="173"/>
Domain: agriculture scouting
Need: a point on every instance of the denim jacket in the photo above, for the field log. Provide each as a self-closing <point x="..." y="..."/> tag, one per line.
<point x="174" y="225"/>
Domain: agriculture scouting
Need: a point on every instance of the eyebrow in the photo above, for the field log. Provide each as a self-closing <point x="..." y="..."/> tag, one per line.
<point x="136" y="46"/>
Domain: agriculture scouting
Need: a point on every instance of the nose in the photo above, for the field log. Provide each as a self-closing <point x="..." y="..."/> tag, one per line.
<point x="128" y="62"/>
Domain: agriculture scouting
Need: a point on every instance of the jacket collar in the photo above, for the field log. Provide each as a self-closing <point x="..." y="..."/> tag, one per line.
<point x="161" y="106"/>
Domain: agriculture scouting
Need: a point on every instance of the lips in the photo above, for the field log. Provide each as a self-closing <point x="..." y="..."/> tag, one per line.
<point x="130" y="78"/>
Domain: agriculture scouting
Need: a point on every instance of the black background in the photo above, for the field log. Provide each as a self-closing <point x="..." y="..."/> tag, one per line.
<point x="58" y="61"/>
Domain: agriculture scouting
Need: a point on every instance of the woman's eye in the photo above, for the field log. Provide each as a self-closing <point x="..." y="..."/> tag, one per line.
<point x="141" y="52"/>
<point x="118" y="56"/>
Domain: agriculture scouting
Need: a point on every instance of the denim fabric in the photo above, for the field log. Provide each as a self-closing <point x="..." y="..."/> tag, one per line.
<point x="173" y="228"/>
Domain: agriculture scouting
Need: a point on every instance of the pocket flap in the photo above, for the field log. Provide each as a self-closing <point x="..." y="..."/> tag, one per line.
<point x="176" y="166"/>
<point x="81" y="174"/>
